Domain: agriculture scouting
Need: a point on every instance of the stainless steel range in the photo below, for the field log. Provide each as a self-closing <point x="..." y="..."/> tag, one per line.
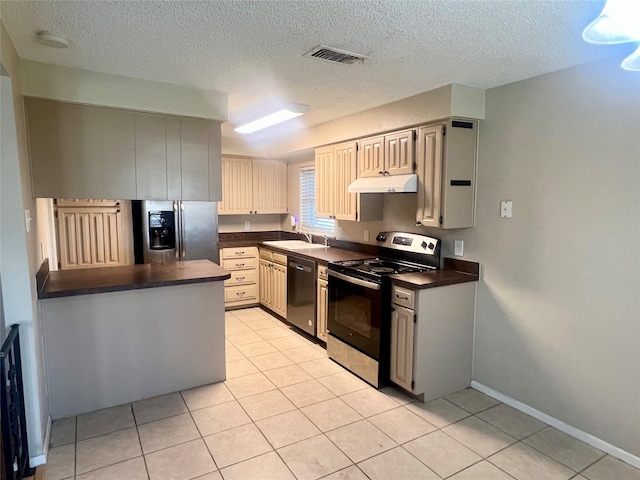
<point x="359" y="316"/>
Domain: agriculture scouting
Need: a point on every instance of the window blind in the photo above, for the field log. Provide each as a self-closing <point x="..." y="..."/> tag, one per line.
<point x="308" y="219"/>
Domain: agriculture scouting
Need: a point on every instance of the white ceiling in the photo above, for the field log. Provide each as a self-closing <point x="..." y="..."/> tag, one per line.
<point x="253" y="50"/>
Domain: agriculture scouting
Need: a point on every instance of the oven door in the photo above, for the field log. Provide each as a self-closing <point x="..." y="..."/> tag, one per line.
<point x="355" y="312"/>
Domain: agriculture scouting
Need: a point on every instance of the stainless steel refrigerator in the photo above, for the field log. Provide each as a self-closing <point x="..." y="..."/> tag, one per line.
<point x="175" y="231"/>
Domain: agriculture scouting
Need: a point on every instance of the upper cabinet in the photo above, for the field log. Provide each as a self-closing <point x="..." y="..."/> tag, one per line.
<point x="336" y="169"/>
<point x="391" y="154"/>
<point x="251" y="186"/>
<point x="447" y="174"/>
<point x="81" y="151"/>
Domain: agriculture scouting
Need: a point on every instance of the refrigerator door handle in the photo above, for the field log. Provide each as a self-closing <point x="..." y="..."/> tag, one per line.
<point x="183" y="231"/>
<point x="176" y="214"/>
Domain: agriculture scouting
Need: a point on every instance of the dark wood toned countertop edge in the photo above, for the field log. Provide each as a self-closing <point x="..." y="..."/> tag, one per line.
<point x="42" y="275"/>
<point x="55" y="287"/>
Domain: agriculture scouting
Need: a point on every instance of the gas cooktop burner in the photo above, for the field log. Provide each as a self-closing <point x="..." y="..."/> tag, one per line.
<point x="351" y="263"/>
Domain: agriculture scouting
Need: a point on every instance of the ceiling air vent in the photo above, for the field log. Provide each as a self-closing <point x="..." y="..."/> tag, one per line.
<point x="330" y="54"/>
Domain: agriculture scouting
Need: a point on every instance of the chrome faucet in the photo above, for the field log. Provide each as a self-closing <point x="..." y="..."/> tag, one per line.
<point x="326" y="240"/>
<point x="308" y="236"/>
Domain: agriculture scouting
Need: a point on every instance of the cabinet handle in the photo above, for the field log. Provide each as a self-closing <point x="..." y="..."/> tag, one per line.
<point x="401" y="297"/>
<point x="239" y="264"/>
<point x="118" y="211"/>
<point x="381" y="172"/>
<point x="240" y="293"/>
<point x="239" y="253"/>
<point x="418" y="224"/>
<point x="240" y="278"/>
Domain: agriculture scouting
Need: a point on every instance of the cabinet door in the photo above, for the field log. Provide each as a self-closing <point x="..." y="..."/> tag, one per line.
<point x="399" y="151"/>
<point x="344" y="173"/>
<point x="215" y="161"/>
<point x="74" y="235"/>
<point x="429" y="175"/>
<point x="118" y="154"/>
<point x="269" y="186"/>
<point x="107" y="238"/>
<point x="322" y="309"/>
<point x="174" y="158"/>
<point x="80" y="163"/>
<point x="324" y="182"/>
<point x="280" y="289"/>
<point x="265" y="282"/>
<point x="237" y="185"/>
<point x="90" y="237"/>
<point x="43" y="120"/>
<point x="402" y="347"/>
<point x="194" y="145"/>
<point x="371" y="162"/>
<point x="151" y="157"/>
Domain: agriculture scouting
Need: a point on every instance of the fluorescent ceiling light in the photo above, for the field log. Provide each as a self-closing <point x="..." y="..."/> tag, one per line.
<point x="279" y="116"/>
<point x="619" y="22"/>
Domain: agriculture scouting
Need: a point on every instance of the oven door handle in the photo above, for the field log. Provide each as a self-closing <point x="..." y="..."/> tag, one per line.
<point x="356" y="281"/>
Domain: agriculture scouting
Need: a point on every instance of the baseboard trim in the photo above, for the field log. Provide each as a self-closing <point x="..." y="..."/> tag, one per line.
<point x="42" y="459"/>
<point x="560" y="425"/>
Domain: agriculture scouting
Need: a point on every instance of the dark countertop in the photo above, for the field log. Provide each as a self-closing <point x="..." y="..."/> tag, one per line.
<point x="66" y="283"/>
<point x="320" y="255"/>
<point x="454" y="271"/>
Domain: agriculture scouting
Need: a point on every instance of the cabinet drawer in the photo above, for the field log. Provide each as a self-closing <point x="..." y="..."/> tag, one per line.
<point x="239" y="252"/>
<point x="266" y="254"/>
<point x="322" y="272"/>
<point x="403" y="297"/>
<point x="244" y="292"/>
<point x="279" y="258"/>
<point x="240" y="263"/>
<point x="241" y="277"/>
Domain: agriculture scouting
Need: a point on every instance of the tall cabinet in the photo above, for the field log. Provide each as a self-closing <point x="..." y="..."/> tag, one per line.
<point x="447" y="174"/>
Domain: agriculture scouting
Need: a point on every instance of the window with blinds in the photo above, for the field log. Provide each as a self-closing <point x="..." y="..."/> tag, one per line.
<point x="308" y="219"/>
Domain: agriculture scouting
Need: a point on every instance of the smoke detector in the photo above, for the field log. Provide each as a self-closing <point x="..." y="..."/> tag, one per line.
<point x="52" y="40"/>
<point x="335" y="55"/>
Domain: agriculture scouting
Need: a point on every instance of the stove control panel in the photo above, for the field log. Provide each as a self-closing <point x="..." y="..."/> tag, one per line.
<point x="408" y="242"/>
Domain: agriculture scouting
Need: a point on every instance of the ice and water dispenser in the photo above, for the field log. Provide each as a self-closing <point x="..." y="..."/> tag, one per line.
<point x="162" y="230"/>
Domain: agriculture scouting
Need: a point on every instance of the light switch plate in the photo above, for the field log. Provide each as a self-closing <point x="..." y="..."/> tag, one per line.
<point x="247" y="225"/>
<point x="366" y="234"/>
<point x="506" y="209"/>
<point x="458" y="248"/>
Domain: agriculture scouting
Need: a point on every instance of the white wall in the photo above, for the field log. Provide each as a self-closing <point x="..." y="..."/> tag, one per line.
<point x="558" y="315"/>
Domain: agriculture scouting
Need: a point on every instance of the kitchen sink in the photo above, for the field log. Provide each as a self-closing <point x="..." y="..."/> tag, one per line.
<point x="293" y="244"/>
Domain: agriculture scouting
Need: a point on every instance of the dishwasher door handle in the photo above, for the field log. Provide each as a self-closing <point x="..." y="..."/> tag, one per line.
<point x="299" y="267"/>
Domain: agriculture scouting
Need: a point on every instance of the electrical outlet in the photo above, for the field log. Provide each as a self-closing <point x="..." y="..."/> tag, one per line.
<point x="458" y="248"/>
<point x="366" y="235"/>
<point x="247" y="225"/>
<point x="506" y="209"/>
<point x="27" y="220"/>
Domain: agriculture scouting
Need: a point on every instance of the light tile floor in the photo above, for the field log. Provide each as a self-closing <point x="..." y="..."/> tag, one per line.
<point x="286" y="412"/>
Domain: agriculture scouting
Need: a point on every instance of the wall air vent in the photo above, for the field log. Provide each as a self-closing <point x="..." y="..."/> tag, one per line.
<point x="334" y="55"/>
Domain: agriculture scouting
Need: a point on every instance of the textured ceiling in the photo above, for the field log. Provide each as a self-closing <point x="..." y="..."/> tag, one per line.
<point x="253" y="50"/>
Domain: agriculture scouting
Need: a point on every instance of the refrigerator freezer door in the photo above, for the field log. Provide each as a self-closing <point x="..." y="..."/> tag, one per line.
<point x="154" y="255"/>
<point x="199" y="226"/>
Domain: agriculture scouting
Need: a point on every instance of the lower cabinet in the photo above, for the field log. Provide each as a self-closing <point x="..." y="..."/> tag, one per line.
<point x="432" y="339"/>
<point x="273" y="281"/>
<point x="322" y="303"/>
<point x="242" y="288"/>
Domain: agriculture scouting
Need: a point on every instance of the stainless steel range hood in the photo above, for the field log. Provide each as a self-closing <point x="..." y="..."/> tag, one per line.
<point x="385" y="184"/>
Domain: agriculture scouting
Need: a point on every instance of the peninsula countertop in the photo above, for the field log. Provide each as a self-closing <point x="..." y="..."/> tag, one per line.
<point x="67" y="283"/>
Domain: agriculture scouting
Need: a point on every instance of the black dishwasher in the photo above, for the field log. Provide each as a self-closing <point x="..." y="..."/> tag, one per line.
<point x="301" y="293"/>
